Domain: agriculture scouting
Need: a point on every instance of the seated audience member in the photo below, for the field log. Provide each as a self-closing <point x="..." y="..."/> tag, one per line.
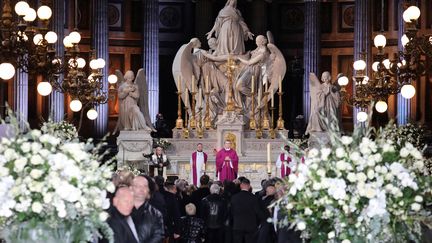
<point x="148" y="220"/>
<point x="120" y="221"/>
<point x="214" y="212"/>
<point x="192" y="228"/>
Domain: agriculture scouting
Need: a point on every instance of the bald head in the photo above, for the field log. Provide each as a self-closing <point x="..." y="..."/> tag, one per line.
<point x="124" y="201"/>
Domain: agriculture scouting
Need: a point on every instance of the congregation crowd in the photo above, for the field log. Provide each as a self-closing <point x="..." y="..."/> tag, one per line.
<point x="154" y="210"/>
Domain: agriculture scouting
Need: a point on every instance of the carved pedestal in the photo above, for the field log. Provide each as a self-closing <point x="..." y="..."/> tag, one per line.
<point x="230" y="126"/>
<point x="132" y="145"/>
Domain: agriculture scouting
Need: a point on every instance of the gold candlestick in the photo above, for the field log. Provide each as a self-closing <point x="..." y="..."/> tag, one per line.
<point x="192" y="119"/>
<point x="252" y="121"/>
<point x="179" y="121"/>
<point x="200" y="129"/>
<point x="207" y="120"/>
<point x="272" y="129"/>
<point x="231" y="66"/>
<point x="258" y="131"/>
<point x="266" y="121"/>
<point x="280" y="122"/>
<point x="186" y="129"/>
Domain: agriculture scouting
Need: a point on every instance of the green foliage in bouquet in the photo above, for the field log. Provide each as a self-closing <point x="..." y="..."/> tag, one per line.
<point x="52" y="186"/>
<point x="359" y="188"/>
<point x="63" y="130"/>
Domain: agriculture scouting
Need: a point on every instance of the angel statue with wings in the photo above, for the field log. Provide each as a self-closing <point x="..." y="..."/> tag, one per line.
<point x="325" y="102"/>
<point x="133" y="108"/>
<point x="267" y="64"/>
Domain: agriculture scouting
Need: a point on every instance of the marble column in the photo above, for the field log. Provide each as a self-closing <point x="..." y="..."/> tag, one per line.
<point x="21" y="98"/>
<point x="403" y="105"/>
<point x="311" y="49"/>
<point x="100" y="45"/>
<point x="362" y="38"/>
<point x="56" y="99"/>
<point x="203" y="18"/>
<point x="151" y="53"/>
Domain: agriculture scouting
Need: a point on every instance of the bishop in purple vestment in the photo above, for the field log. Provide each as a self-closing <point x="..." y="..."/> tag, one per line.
<point x="227" y="163"/>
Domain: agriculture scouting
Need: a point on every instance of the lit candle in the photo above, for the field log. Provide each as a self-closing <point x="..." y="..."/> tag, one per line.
<point x="179" y="83"/>
<point x="253" y="84"/>
<point x="280" y="84"/>
<point x="193" y="83"/>
<point x="259" y="97"/>
<point x="268" y="158"/>
<point x="199" y="97"/>
<point x="272" y="100"/>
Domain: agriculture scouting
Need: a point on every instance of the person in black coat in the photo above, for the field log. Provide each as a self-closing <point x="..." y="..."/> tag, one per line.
<point x="201" y="193"/>
<point x="214" y="212"/>
<point x="246" y="214"/>
<point x="192" y="228"/>
<point x="120" y="220"/>
<point x="267" y="232"/>
<point x="173" y="211"/>
<point x="148" y="220"/>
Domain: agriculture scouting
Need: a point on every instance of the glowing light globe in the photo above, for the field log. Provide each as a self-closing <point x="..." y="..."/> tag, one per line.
<point x="408" y="91"/>
<point x="7" y="71"/>
<point x="21" y="8"/>
<point x="75" y="37"/>
<point x="362" y="116"/>
<point x="112" y="79"/>
<point x="92" y="114"/>
<point x="75" y="105"/>
<point x="51" y="37"/>
<point x="30" y="15"/>
<point x="411" y="13"/>
<point x="44" y="88"/>
<point x="380" y="41"/>
<point x="359" y="65"/>
<point x="94" y="64"/>
<point x="37" y="39"/>
<point x="81" y="62"/>
<point x="404" y="40"/>
<point x="44" y="12"/>
<point x="67" y="42"/>
<point x="375" y="66"/>
<point x="386" y="63"/>
<point x="101" y="63"/>
<point x="381" y="106"/>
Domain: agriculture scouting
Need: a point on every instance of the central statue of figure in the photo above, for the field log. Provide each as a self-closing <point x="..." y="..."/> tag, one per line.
<point x="230" y="30"/>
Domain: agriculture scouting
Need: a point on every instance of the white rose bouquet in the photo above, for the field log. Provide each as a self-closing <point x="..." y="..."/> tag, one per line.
<point x="62" y="130"/>
<point x="51" y="188"/>
<point x="358" y="190"/>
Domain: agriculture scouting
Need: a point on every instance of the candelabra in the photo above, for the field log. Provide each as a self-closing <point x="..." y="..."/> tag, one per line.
<point x="231" y="66"/>
<point x="266" y="121"/>
<point x="272" y="131"/>
<point x="252" y="121"/>
<point x="258" y="129"/>
<point x="200" y="129"/>
<point x="280" y="121"/>
<point x="179" y="121"/>
<point x="192" y="119"/>
<point x="207" y="120"/>
<point x="186" y="129"/>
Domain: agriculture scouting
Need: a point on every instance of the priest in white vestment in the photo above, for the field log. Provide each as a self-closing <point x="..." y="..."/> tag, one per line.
<point x="197" y="164"/>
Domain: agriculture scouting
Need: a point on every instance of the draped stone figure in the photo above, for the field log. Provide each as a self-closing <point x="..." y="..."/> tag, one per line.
<point x="230" y="30"/>
<point x="325" y="102"/>
<point x="133" y="104"/>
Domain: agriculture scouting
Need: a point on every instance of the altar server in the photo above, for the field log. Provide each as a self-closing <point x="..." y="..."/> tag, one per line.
<point x="198" y="162"/>
<point x="227" y="163"/>
<point x="285" y="163"/>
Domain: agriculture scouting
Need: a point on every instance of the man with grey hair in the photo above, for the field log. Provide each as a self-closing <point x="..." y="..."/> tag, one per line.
<point x="214" y="211"/>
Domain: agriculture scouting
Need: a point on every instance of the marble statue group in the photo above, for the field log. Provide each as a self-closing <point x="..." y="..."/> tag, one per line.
<point x="257" y="76"/>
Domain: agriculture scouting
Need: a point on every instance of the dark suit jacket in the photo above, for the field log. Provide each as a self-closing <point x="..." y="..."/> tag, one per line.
<point x="246" y="211"/>
<point x="120" y="227"/>
<point x="196" y="198"/>
<point x="173" y="213"/>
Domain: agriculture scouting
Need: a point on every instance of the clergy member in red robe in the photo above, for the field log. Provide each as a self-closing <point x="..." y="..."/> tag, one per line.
<point x="227" y="163"/>
<point x="285" y="163"/>
<point x="198" y="164"/>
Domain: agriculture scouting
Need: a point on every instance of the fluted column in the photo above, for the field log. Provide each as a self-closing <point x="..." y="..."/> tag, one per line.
<point x="21" y="98"/>
<point x="151" y="53"/>
<point x="100" y="45"/>
<point x="362" y="38"/>
<point x="203" y="18"/>
<point x="56" y="99"/>
<point x="403" y="105"/>
<point x="311" y="49"/>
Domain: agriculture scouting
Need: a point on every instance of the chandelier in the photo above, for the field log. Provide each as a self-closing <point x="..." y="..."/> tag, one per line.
<point x="390" y="76"/>
<point x="32" y="50"/>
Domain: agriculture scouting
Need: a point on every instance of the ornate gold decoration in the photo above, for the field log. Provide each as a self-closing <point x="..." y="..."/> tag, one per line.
<point x="232" y="138"/>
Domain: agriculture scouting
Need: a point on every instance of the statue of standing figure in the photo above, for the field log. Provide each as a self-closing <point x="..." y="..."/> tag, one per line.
<point x="325" y="103"/>
<point x="133" y="107"/>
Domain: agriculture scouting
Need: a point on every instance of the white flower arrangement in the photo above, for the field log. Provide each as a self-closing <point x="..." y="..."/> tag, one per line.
<point x="62" y="130"/>
<point x="47" y="183"/>
<point x="359" y="190"/>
